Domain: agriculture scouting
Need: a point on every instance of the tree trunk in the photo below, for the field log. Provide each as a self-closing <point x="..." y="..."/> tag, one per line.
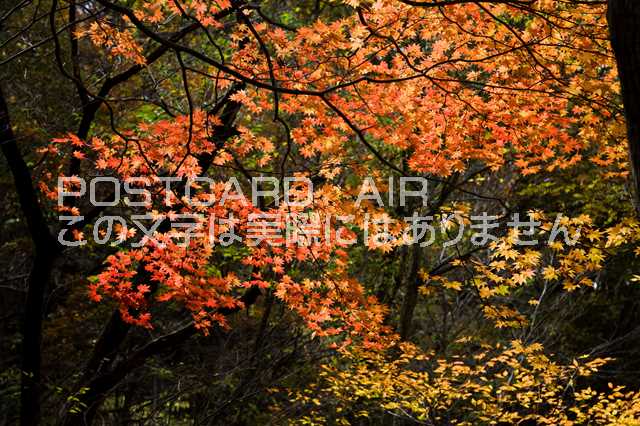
<point x="31" y="387"/>
<point x="411" y="296"/>
<point x="624" y="26"/>
<point x="46" y="250"/>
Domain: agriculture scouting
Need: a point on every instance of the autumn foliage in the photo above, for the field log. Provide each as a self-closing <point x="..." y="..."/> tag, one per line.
<point x="502" y="107"/>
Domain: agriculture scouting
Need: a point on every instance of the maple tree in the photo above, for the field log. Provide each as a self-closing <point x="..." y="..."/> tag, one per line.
<point x="492" y="385"/>
<point x="487" y="101"/>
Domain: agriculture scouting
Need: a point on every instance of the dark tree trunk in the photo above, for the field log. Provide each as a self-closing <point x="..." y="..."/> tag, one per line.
<point x="624" y="26"/>
<point x="411" y="296"/>
<point x="31" y="386"/>
<point x="46" y="250"/>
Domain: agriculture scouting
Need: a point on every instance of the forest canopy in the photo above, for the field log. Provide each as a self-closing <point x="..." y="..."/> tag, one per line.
<point x="320" y="212"/>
